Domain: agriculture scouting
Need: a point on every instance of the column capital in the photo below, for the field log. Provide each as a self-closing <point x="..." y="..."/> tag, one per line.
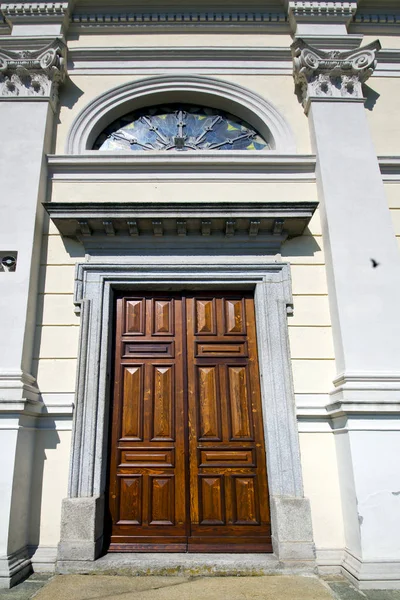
<point x="331" y="75"/>
<point x="32" y="73"/>
<point x="42" y="16"/>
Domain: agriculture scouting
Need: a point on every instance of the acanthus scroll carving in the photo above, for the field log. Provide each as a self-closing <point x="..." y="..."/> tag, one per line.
<point x="331" y="74"/>
<point x="33" y="73"/>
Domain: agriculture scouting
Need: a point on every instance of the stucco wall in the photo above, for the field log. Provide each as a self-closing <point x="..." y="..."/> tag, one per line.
<point x="321" y="486"/>
<point x="139" y="39"/>
<point x="79" y="90"/>
<point x="311" y="350"/>
<point x="50" y="473"/>
<point x="309" y="327"/>
<point x="382" y="113"/>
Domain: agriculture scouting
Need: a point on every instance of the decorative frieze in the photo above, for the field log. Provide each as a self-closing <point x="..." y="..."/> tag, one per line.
<point x="33" y="73"/>
<point x="173" y="18"/>
<point x="331" y="74"/>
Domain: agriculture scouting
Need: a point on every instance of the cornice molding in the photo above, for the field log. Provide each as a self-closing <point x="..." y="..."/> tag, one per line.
<point x="199" y="165"/>
<point x="172" y="19"/>
<point x="390" y="167"/>
<point x="377" y="19"/>
<point x="213" y="60"/>
<point x="32" y="74"/>
<point x="332" y="75"/>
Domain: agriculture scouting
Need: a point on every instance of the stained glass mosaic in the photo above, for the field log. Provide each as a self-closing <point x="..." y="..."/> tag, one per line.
<point x="179" y="127"/>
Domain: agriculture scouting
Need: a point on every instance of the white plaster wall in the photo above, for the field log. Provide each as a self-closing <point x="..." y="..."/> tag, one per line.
<point x="348" y="493"/>
<point x="377" y="476"/>
<point x="8" y="441"/>
<point x="321" y="486"/>
<point x="21" y="487"/>
<point x="20" y="220"/>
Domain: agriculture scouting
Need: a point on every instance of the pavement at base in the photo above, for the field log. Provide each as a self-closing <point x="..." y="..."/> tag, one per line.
<point x="271" y="587"/>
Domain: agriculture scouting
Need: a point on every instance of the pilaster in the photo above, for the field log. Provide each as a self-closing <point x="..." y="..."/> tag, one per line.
<point x="29" y="78"/>
<point x="363" y="270"/>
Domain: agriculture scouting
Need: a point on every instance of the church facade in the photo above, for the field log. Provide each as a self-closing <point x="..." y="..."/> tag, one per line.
<point x="200" y="287"/>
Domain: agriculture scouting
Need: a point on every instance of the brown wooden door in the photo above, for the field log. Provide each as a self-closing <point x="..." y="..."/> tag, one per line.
<point x="187" y="466"/>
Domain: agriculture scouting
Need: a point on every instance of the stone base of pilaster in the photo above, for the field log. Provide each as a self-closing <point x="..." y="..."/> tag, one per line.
<point x="14" y="568"/>
<point x="43" y="558"/>
<point x="370" y="574"/>
<point x="16" y="389"/>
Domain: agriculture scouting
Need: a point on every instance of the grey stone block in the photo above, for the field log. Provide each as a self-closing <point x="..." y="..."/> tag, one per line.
<point x="292" y="529"/>
<point x="81" y="528"/>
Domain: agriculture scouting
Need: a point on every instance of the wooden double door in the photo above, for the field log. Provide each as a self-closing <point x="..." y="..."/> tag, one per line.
<point x="187" y="456"/>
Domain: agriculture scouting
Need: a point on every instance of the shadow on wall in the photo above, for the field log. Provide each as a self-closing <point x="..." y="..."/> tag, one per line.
<point x="371" y="97"/>
<point x="302" y="245"/>
<point x="47" y="438"/>
<point x="70" y="94"/>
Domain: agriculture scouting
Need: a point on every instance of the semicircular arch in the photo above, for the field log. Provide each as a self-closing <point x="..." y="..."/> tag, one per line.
<point x="214" y="93"/>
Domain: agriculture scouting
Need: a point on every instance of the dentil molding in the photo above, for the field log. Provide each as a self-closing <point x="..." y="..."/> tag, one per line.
<point x="331" y="75"/>
<point x="33" y="74"/>
<point x="338" y="11"/>
<point x="36" y="13"/>
<point x="34" y="9"/>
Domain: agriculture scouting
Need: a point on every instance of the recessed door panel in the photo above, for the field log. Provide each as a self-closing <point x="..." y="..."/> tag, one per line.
<point x="161" y="500"/>
<point x="163" y="402"/>
<point x="132" y="416"/>
<point x="239" y="408"/>
<point x="205" y="316"/>
<point x="208" y="405"/>
<point x="135" y="316"/>
<point x="131" y="500"/>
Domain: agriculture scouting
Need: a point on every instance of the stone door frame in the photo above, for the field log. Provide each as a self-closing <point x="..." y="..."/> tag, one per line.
<point x="82" y="528"/>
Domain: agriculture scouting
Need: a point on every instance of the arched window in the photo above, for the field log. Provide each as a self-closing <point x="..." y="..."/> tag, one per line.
<point x="179" y="127"/>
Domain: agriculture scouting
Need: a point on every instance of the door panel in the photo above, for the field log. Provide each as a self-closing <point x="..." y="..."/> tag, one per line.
<point x="147" y="499"/>
<point x="228" y="485"/>
<point x="187" y="468"/>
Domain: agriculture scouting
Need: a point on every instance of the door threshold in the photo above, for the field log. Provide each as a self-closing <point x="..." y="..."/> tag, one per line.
<point x="191" y="565"/>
